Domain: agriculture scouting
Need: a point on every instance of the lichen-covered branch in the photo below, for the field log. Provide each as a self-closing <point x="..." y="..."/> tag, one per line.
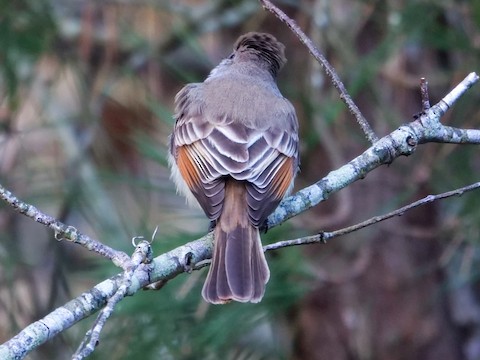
<point x="324" y="236"/>
<point x="142" y="255"/>
<point x="403" y="141"/>
<point x="64" y="232"/>
<point x="163" y="267"/>
<point x="60" y="319"/>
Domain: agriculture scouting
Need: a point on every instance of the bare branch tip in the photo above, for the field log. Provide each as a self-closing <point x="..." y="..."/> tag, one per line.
<point x="154" y="234"/>
<point x="424" y="94"/>
<point x="471" y="78"/>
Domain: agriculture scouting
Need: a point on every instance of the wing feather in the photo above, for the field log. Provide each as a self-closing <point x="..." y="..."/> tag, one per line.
<point x="207" y="149"/>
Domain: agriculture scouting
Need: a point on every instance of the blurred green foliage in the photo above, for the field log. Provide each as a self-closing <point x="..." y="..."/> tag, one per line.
<point x="27" y="29"/>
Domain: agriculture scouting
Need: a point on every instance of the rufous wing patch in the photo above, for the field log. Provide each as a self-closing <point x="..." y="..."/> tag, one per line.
<point x="283" y="178"/>
<point x="187" y="168"/>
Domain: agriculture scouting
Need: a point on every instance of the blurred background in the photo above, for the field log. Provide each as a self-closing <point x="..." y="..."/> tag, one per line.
<point x="86" y="101"/>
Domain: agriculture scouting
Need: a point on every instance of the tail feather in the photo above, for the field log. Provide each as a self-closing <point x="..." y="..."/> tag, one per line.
<point x="260" y="270"/>
<point x="239" y="270"/>
<point x="238" y="262"/>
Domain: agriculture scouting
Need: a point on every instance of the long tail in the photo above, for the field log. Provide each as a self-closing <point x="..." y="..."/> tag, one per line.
<point x="239" y="270"/>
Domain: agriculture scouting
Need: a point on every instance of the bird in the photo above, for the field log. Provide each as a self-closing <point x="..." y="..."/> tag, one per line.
<point x="234" y="152"/>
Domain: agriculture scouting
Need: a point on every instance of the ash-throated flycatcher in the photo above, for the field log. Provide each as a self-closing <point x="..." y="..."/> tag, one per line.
<point x="235" y="149"/>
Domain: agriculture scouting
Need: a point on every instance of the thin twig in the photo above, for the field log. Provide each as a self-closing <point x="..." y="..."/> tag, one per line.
<point x="64" y="232"/>
<point x="326" y="235"/>
<point x="460" y="89"/>
<point x="401" y="142"/>
<point x="424" y="94"/>
<point x="329" y="70"/>
<point x="434" y="131"/>
<point x="142" y="255"/>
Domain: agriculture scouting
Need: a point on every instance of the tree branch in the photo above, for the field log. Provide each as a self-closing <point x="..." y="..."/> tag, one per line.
<point x="65" y="232"/>
<point x="324" y="236"/>
<point x="403" y="141"/>
<point x="142" y="255"/>
<point x="162" y="268"/>
<point x="424" y="94"/>
<point x="329" y="70"/>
